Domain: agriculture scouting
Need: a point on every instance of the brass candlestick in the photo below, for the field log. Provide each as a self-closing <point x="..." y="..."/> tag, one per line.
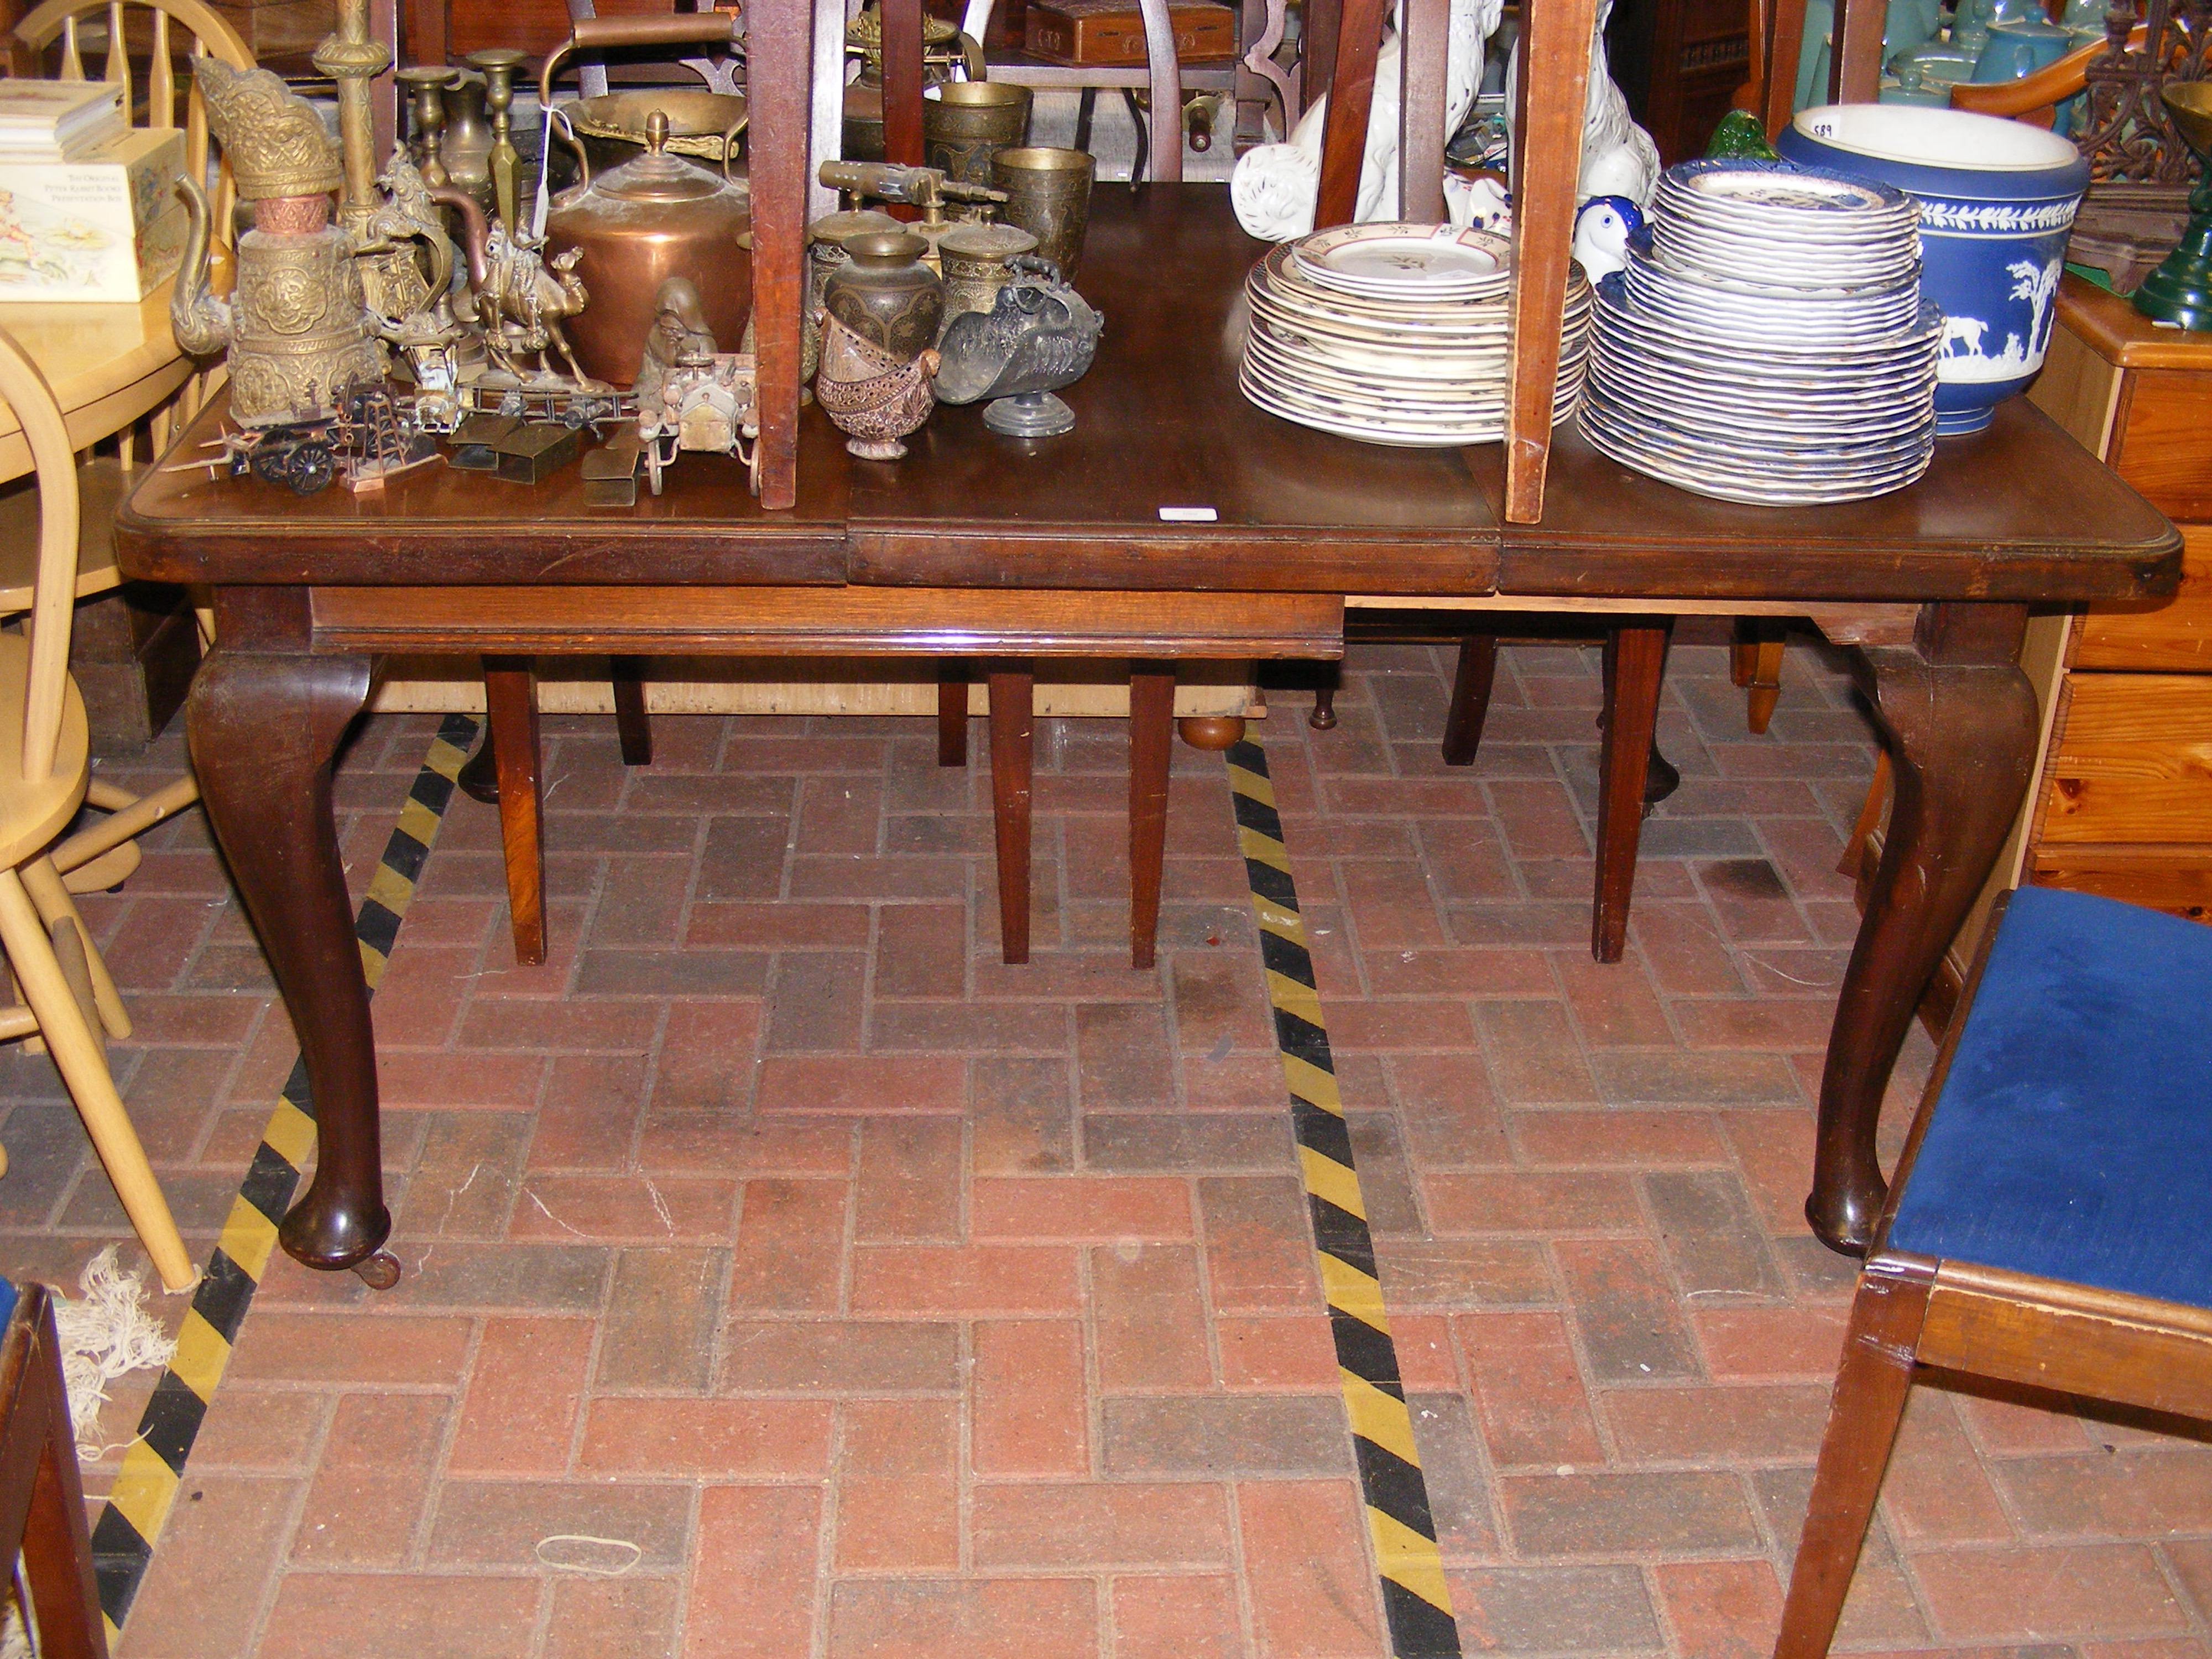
<point x="499" y="65"/>
<point x="425" y="84"/>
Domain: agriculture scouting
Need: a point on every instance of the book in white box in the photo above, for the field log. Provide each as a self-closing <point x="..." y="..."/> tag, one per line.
<point x="106" y="229"/>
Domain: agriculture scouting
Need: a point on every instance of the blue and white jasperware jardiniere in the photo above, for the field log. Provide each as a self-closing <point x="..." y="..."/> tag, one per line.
<point x="1997" y="199"/>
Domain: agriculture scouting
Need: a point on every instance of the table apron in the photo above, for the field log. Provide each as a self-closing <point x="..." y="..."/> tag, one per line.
<point x="773" y="622"/>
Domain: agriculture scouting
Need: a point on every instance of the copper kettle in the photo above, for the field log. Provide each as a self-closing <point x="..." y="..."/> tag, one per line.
<point x="638" y="225"/>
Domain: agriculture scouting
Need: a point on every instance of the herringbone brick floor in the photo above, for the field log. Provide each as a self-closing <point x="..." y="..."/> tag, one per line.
<point x="788" y="1277"/>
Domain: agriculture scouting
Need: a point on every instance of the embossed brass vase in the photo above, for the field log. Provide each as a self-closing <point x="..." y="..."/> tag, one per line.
<point x="965" y="122"/>
<point x="885" y="296"/>
<point x="1048" y="195"/>
<point x="297" y="327"/>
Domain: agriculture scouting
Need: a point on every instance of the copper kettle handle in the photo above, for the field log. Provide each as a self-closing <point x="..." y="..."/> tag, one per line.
<point x="702" y="28"/>
<point x="730" y="143"/>
<point x="562" y="127"/>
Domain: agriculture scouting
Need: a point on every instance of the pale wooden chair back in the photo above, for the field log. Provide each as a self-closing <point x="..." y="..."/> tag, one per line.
<point x="54" y="595"/>
<point x="1555" y="41"/>
<point x="104" y="28"/>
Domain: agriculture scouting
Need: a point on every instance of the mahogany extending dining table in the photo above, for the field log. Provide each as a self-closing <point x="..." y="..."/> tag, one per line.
<point x="984" y="547"/>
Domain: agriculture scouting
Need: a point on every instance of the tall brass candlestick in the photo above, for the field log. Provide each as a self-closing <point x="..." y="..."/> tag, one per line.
<point x="499" y="65"/>
<point x="352" y="59"/>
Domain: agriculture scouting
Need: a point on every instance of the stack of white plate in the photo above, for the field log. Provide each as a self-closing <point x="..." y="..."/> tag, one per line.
<point x="1767" y="342"/>
<point x="1394" y="334"/>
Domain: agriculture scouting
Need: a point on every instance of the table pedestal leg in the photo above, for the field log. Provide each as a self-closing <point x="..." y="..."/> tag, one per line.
<point x="1960" y="721"/>
<point x="262" y="730"/>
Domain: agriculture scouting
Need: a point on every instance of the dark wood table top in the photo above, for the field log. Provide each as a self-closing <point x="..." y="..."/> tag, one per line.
<point x="2018" y="512"/>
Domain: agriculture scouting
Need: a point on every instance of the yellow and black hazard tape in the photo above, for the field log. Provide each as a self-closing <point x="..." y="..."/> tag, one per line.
<point x="123" y="1538"/>
<point x="1415" y="1598"/>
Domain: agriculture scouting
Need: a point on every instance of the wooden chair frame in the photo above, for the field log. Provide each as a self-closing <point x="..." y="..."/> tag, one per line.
<point x="41" y="1490"/>
<point x="1911" y="1311"/>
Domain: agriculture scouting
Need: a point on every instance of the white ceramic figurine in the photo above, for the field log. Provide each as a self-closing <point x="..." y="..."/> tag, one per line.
<point x="1274" y="185"/>
<point x="1619" y="158"/>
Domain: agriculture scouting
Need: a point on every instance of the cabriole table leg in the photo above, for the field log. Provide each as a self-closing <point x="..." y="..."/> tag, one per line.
<point x="262" y="730"/>
<point x="1960" y="717"/>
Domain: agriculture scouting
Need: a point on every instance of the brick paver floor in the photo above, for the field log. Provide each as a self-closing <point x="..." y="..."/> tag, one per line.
<point x="787" y="1278"/>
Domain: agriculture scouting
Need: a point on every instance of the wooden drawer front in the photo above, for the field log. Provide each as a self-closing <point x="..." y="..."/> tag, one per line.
<point x="2159" y="447"/>
<point x="2132" y="760"/>
<point x="2168" y="633"/>
<point x="2178" y="880"/>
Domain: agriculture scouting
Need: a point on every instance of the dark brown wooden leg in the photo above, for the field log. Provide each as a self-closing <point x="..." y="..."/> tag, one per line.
<point x="1322" y="718"/>
<point x="952" y="713"/>
<point x="1635" y="663"/>
<point x="57" y="1544"/>
<point x="1871" y="1385"/>
<point x="1151" y="737"/>
<point x="1755" y="664"/>
<point x="1960" y="722"/>
<point x="511" y="688"/>
<point x="632" y="725"/>
<point x="1013" y="738"/>
<point x="1470" y="698"/>
<point x="479" y="778"/>
<point x="1211" y="732"/>
<point x="262" y="729"/>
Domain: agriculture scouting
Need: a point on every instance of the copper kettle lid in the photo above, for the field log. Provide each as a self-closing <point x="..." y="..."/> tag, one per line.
<point x="657" y="176"/>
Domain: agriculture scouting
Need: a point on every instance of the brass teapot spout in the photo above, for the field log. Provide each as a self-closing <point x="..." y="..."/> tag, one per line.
<point x="202" y="320"/>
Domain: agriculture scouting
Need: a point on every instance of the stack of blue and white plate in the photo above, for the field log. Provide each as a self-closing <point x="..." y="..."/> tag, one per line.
<point x="1767" y="342"/>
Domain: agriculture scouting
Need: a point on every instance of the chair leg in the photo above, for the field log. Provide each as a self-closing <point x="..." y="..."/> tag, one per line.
<point x="632" y="725"/>
<point x="1635" y="663"/>
<point x="1853" y="862"/>
<point x="129" y="817"/>
<point x="43" y="884"/>
<point x="1470" y="698"/>
<point x="1864" y="1413"/>
<point x="952" y="713"/>
<point x="1755" y="664"/>
<point x="57" y="1542"/>
<point x="511" y="686"/>
<point x="84" y="1069"/>
<point x="1151" y="738"/>
<point x="1013" y="738"/>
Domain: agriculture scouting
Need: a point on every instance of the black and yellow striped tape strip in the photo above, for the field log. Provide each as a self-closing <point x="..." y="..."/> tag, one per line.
<point x="1415" y="1598"/>
<point x="145" y="1486"/>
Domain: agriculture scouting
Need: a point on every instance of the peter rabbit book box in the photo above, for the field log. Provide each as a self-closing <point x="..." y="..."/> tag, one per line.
<point x="107" y="228"/>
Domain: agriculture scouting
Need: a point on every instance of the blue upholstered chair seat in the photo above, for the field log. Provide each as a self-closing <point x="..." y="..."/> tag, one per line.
<point x="2073" y="1138"/>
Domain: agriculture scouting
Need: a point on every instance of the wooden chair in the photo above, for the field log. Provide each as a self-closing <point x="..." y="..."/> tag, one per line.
<point x="1164" y="78"/>
<point x="56" y="38"/>
<point x="2046" y="1226"/>
<point x="43" y="772"/>
<point x="42" y="1521"/>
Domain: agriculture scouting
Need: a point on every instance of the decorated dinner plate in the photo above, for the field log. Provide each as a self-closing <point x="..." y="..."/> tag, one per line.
<point x="1409" y="261"/>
